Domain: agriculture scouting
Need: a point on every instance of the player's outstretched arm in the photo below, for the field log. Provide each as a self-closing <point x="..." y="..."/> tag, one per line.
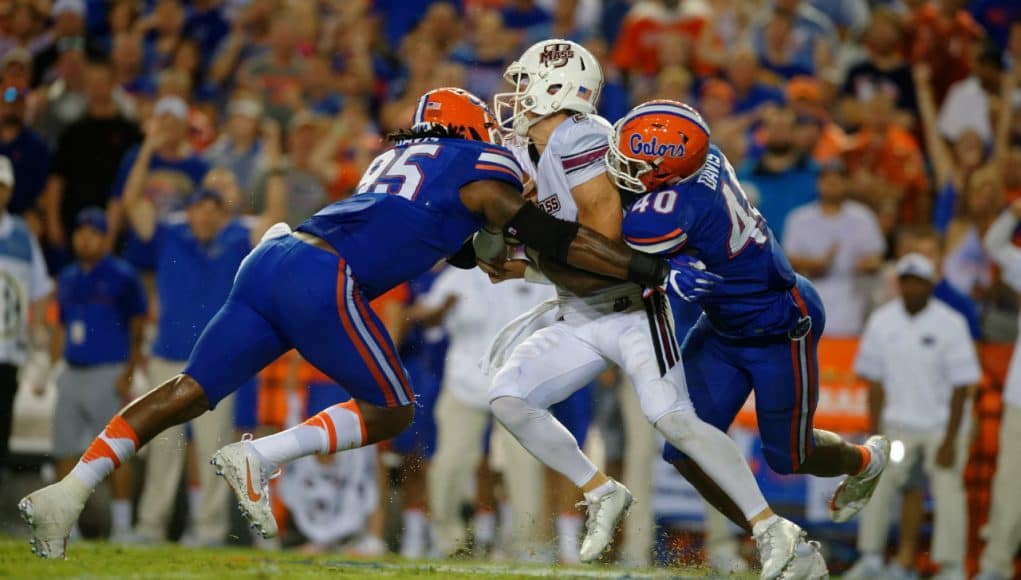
<point x="504" y="208"/>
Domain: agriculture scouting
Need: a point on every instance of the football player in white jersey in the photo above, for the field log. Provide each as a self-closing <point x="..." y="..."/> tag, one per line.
<point x="560" y="141"/>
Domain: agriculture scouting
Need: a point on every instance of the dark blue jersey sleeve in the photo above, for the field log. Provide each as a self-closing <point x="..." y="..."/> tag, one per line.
<point x="491" y="162"/>
<point x="656" y="223"/>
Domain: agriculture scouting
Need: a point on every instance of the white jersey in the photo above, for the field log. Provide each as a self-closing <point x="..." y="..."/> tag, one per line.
<point x="23" y="280"/>
<point x="919" y="360"/>
<point x="573" y="156"/>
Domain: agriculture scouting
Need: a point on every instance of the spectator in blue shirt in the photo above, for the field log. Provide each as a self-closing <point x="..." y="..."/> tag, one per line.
<point x="163" y="169"/>
<point x="750" y="93"/>
<point x="782" y="177"/>
<point x="196" y="255"/>
<point x="25" y="148"/>
<point x="102" y="307"/>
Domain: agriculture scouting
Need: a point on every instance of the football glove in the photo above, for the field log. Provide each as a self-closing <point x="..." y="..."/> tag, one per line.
<point x="690" y="280"/>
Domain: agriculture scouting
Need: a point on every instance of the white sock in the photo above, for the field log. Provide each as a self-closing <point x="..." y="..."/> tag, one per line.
<point x="484" y="527"/>
<point x="763" y="525"/>
<point x="602" y="489"/>
<point x="544" y="437"/>
<point x="415" y="534"/>
<point x="333" y="429"/>
<point x="568" y="534"/>
<point x="120" y="516"/>
<point x="115" y="445"/>
<point x="717" y="455"/>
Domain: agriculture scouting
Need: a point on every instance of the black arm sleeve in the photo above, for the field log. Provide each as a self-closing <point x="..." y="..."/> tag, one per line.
<point x="553" y="237"/>
<point x="542" y="232"/>
<point x="464" y="258"/>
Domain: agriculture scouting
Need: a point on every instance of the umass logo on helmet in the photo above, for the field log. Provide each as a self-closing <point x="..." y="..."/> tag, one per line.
<point x="653" y="148"/>
<point x="556" y="55"/>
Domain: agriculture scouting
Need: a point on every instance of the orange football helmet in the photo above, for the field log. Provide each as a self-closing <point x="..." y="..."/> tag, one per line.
<point x="452" y="107"/>
<point x="657" y="143"/>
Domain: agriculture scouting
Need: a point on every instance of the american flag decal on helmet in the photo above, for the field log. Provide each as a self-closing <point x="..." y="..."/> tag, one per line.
<point x="584" y="93"/>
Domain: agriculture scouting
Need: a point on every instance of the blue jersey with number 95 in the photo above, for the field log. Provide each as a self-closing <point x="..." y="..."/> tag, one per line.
<point x="407" y="214"/>
<point x="710" y="218"/>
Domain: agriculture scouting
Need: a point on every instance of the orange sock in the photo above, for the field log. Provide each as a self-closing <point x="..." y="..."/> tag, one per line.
<point x="114" y="446"/>
<point x="866" y="458"/>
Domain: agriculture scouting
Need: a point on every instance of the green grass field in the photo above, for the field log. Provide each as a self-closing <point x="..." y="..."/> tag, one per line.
<point x="98" y="560"/>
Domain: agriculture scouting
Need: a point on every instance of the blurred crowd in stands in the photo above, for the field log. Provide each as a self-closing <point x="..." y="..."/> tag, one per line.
<point x="149" y="143"/>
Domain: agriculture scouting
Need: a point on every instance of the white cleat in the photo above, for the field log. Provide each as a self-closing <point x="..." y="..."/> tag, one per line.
<point x="776" y="543"/>
<point x="856" y="490"/>
<point x="605" y="513"/>
<point x="808" y="563"/>
<point x="51" y="512"/>
<point x="241" y="466"/>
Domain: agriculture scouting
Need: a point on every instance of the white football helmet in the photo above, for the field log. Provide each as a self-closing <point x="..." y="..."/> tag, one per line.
<point x="552" y="75"/>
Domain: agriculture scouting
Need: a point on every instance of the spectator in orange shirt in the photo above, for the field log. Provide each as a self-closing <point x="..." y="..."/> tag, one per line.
<point x="886" y="163"/>
<point x="941" y="34"/>
<point x="638" y="46"/>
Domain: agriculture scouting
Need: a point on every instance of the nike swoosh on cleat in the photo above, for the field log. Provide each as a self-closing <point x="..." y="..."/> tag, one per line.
<point x="252" y="494"/>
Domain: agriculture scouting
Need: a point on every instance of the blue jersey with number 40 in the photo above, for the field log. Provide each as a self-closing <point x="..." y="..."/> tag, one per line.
<point x="710" y="217"/>
<point x="407" y="214"/>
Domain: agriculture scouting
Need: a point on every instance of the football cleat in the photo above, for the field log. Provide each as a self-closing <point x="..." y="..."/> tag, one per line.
<point x="856" y="490"/>
<point x="605" y="513"/>
<point x="51" y="513"/>
<point x="241" y="466"/>
<point x="776" y="543"/>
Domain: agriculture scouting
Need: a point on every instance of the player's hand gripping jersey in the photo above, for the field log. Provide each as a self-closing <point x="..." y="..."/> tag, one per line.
<point x="407" y="213"/>
<point x="710" y="218"/>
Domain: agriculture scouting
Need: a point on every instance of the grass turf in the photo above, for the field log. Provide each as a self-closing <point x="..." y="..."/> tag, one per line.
<point x="100" y="560"/>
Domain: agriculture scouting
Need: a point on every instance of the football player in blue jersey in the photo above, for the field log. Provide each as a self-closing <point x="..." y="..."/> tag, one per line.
<point x="420" y="201"/>
<point x="760" y="321"/>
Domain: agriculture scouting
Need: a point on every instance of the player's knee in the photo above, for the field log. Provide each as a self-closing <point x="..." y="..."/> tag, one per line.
<point x="678" y="426"/>
<point x="512" y="412"/>
<point x="388" y="422"/>
<point x="779" y="460"/>
<point x="186" y="397"/>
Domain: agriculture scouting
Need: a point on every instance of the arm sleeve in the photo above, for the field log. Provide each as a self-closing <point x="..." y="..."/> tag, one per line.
<point x="581" y="152"/>
<point x="1000" y="247"/>
<point x="868" y="364"/>
<point x="464" y="258"/>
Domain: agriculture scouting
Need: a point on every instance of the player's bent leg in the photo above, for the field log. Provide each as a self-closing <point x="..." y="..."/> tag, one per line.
<point x="664" y="398"/>
<point x="544" y="369"/>
<point x="249" y="465"/>
<point x="717" y="390"/>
